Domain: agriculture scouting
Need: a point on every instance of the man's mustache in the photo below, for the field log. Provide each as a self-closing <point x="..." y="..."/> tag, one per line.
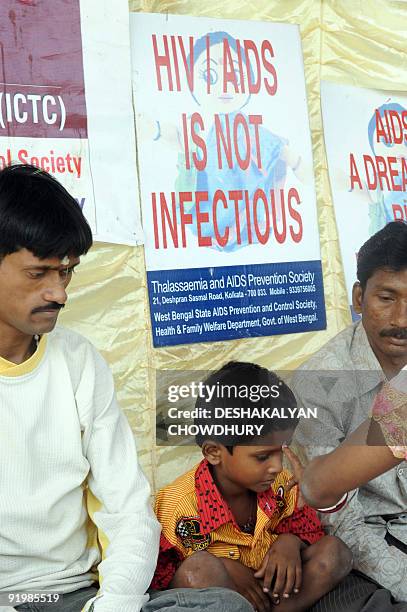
<point x="394" y="332"/>
<point x="50" y="306"/>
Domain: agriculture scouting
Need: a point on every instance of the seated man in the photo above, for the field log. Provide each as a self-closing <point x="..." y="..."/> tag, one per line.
<point x="236" y="520"/>
<point x="341" y="381"/>
<point x="64" y="440"/>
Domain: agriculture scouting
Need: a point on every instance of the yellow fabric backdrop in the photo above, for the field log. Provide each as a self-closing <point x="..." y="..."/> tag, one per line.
<point x="359" y="42"/>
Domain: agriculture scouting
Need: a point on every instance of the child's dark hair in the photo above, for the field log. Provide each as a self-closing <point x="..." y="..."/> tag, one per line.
<point x="38" y="214"/>
<point x="387" y="249"/>
<point x="245" y="387"/>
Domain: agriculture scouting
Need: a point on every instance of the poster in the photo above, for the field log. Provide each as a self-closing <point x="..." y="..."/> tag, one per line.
<point x="65" y="105"/>
<point x="226" y="179"/>
<point x="365" y="135"/>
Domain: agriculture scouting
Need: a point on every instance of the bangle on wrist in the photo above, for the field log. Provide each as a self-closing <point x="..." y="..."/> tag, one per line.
<point x="338" y="506"/>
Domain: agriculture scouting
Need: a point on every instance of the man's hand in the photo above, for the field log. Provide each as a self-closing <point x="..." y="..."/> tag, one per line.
<point x="247" y="585"/>
<point x="283" y="565"/>
<point x="297" y="469"/>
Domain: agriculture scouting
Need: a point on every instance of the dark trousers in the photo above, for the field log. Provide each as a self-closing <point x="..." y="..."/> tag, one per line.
<point x="357" y="593"/>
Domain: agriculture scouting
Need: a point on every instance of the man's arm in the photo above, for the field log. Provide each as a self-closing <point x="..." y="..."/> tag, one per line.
<point x="124" y="518"/>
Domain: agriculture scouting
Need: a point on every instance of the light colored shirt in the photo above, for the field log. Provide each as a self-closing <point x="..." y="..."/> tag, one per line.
<point x="67" y="452"/>
<point x="340" y="381"/>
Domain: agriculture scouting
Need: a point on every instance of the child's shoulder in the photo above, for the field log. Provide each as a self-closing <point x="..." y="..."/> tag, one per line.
<point x="178" y="489"/>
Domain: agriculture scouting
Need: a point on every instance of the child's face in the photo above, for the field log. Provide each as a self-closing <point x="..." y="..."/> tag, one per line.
<point x="253" y="467"/>
<point x="217" y="101"/>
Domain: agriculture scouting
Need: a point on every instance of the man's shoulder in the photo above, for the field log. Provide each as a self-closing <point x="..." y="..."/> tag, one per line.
<point x="336" y="354"/>
<point x="70" y="341"/>
<point x="78" y="355"/>
<point x="329" y="371"/>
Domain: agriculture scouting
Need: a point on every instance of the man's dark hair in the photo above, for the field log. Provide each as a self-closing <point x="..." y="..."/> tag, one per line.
<point x="231" y="383"/>
<point x="387" y="249"/>
<point x="38" y="214"/>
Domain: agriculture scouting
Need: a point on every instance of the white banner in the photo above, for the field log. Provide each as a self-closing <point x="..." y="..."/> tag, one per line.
<point x="65" y="105"/>
<point x="365" y="135"/>
<point x="226" y="179"/>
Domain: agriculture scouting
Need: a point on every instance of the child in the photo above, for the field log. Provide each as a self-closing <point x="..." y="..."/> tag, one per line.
<point x="236" y="519"/>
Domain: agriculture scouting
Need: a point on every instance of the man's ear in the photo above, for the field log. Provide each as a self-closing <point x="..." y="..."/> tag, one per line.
<point x="357" y="297"/>
<point x="212" y="452"/>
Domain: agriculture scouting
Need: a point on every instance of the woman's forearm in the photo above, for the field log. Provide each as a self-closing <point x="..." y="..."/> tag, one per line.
<point x="328" y="477"/>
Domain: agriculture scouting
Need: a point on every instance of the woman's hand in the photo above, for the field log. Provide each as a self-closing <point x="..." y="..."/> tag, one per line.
<point x="297" y="470"/>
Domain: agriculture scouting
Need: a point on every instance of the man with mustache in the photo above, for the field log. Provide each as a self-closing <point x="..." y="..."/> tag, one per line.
<point x="341" y="380"/>
<point x="67" y="453"/>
